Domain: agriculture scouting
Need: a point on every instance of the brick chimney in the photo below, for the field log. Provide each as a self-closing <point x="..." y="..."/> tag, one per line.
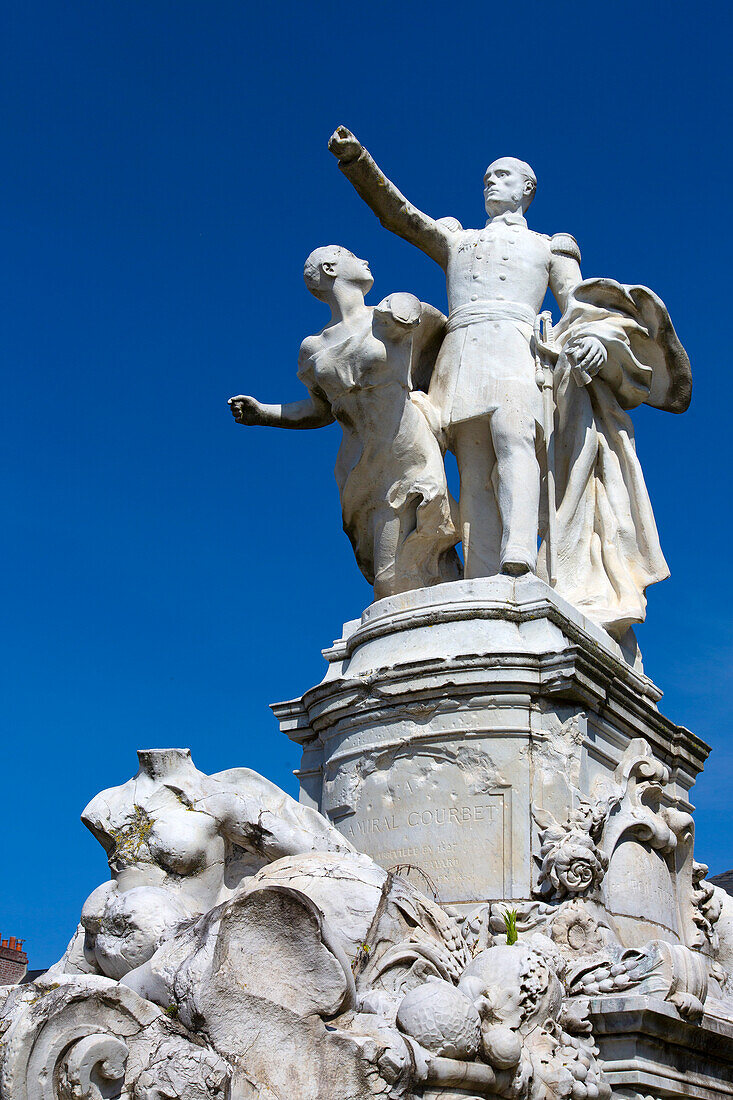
<point x="13" y="961"/>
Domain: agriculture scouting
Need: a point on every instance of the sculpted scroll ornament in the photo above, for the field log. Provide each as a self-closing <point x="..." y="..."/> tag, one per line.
<point x="93" y="1067"/>
<point x="575" y="856"/>
<point x="576" y="874"/>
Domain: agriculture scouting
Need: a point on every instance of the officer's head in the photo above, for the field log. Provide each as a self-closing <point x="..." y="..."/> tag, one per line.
<point x="331" y="262"/>
<point x="509" y="184"/>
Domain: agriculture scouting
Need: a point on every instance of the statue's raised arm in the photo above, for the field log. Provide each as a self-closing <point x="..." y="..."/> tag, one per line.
<point x="390" y="205"/>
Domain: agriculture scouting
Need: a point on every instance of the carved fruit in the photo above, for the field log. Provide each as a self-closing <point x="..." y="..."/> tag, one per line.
<point x="502" y="1047"/>
<point x="441" y="1019"/>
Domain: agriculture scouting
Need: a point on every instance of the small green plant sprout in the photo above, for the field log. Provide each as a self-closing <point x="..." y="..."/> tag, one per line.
<point x="510" y="924"/>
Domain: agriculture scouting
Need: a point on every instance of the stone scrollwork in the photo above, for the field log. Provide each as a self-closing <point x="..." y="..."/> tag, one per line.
<point x="93" y="1069"/>
<point x="316" y="965"/>
<point x="707" y="906"/>
<point x="647" y="815"/>
<point x="83" y="1037"/>
<point x="634" y="812"/>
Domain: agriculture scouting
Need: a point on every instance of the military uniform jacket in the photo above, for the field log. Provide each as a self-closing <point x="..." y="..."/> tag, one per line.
<point x="497" y="278"/>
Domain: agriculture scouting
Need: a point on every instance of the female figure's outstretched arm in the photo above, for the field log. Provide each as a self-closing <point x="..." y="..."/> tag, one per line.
<point x="313" y="411"/>
<point x="308" y="413"/>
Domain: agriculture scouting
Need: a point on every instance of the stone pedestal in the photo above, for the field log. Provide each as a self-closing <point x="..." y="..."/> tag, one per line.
<point x="450" y="715"/>
<point x="648" y="1050"/>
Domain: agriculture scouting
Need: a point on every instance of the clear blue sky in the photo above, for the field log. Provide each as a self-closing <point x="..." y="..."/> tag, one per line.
<point x="167" y="574"/>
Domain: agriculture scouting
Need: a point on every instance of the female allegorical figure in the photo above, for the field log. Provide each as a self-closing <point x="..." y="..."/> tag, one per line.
<point x="359" y="371"/>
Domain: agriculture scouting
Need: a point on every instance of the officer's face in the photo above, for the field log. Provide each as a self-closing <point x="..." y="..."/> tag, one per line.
<point x="353" y="270"/>
<point x="504" y="187"/>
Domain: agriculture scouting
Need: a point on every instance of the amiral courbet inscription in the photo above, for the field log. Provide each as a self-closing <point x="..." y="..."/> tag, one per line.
<point x="440" y="816"/>
<point x="449" y="816"/>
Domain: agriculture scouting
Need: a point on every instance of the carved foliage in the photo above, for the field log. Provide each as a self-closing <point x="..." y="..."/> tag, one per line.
<point x="570" y="860"/>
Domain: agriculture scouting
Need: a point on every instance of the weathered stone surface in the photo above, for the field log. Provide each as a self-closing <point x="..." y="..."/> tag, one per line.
<point x="647" y="1050"/>
<point x="489" y="887"/>
<point x="445" y="713"/>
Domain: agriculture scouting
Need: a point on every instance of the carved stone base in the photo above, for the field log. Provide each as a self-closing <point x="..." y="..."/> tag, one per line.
<point x="648" y="1050"/>
<point x="447" y="713"/>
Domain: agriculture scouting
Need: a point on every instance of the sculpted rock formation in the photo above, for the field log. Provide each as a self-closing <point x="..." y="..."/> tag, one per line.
<point x="319" y="973"/>
<point x="179" y="842"/>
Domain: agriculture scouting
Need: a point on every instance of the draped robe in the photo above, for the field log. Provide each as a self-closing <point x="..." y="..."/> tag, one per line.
<point x="607" y="547"/>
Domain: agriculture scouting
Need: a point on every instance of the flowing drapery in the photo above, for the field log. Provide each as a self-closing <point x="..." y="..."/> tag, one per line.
<point x="607" y="547"/>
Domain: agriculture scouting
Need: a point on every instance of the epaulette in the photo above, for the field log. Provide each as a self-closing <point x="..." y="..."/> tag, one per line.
<point x="452" y="224"/>
<point x="562" y="244"/>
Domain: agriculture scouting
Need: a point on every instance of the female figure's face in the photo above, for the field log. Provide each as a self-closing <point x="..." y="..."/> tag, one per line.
<point x="353" y="270"/>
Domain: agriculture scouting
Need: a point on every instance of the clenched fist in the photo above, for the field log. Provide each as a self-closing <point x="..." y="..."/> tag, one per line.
<point x="246" y="410"/>
<point x="344" y="145"/>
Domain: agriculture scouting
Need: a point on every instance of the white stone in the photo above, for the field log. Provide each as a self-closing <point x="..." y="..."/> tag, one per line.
<point x="446" y="712"/>
<point x="321" y="971"/>
<point x="442" y="1019"/>
<point x="361" y="370"/>
<point x="178" y="843"/>
<point x="502" y="395"/>
<point x="490" y="879"/>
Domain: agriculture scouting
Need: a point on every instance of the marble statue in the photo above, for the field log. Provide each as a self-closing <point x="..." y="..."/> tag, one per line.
<point x="489" y="887"/>
<point x="616" y="348"/>
<point x="178" y="843"/>
<point x="321" y="974"/>
<point x="361" y="370"/>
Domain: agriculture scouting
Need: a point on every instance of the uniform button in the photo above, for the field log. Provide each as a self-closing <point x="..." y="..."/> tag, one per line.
<point x="502" y="276"/>
<point x="474" y="297"/>
<point x="475" y="275"/>
<point x="482" y="237"/>
<point x="505" y="257"/>
<point x="479" y="255"/>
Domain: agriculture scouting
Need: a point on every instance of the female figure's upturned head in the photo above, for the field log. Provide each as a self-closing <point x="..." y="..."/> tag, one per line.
<point x="331" y="262"/>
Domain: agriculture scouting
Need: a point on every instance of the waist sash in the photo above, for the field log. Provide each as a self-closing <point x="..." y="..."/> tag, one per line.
<point x="489" y="310"/>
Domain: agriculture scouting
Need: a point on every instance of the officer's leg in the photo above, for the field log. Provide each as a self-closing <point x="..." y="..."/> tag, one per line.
<point x="480" y="524"/>
<point x="518" y="487"/>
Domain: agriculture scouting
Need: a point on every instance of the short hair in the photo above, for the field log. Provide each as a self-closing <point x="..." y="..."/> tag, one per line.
<point x="312" y="272"/>
<point x="526" y="170"/>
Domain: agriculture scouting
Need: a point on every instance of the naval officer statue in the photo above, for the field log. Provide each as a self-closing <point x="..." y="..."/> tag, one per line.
<point x="487" y="400"/>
